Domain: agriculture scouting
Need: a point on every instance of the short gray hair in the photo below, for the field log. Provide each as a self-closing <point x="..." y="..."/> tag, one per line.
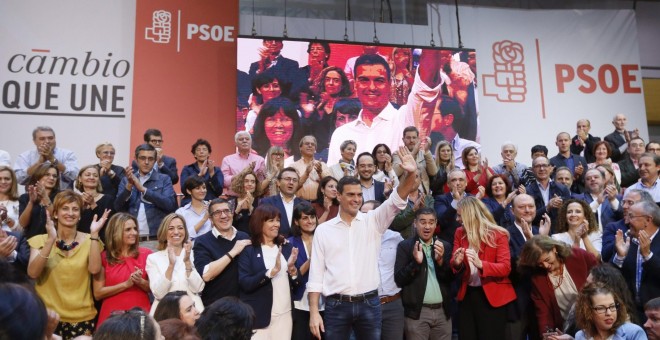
<point x="644" y="195"/>
<point x="41" y="128"/>
<point x="652" y="210"/>
<point x="239" y="133"/>
<point x="346" y="143"/>
<point x="510" y="143"/>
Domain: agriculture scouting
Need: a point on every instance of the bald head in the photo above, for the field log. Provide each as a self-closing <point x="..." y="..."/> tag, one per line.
<point x="524" y="208"/>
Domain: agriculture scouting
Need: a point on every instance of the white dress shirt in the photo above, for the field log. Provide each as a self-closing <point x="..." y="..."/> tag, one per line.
<point x="64" y="156"/>
<point x="157" y="264"/>
<point x="192" y="218"/>
<point x="388" y="245"/>
<point x="345" y="255"/>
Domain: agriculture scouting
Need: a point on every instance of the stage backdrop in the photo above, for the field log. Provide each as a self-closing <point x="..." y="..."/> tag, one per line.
<point x="101" y="71"/>
<point x="539" y="71"/>
<point x="317" y="77"/>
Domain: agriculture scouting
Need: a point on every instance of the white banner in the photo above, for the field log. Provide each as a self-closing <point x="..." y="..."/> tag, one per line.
<point x="68" y="65"/>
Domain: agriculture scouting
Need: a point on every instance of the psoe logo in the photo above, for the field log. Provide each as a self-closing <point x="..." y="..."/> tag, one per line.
<point x="507" y="83"/>
<point x="161" y="27"/>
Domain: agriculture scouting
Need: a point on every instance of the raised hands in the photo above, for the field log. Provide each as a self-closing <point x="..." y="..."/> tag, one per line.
<point x="459" y="256"/>
<point x="407" y="161"/>
<point x="278" y="263"/>
<point x="8" y="244"/>
<point x="438" y="251"/>
<point x="50" y="227"/>
<point x="239" y="246"/>
<point x="621" y="243"/>
<point x="544" y="226"/>
<point x="171" y="255"/>
<point x="644" y="243"/>
<point x="418" y="254"/>
<point x="96" y="225"/>
<point x="187" y="250"/>
<point x="526" y="229"/>
<point x="291" y="262"/>
<point x="473" y="258"/>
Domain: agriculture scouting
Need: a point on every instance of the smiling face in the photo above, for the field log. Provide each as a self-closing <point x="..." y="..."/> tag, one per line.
<point x="601" y="152"/>
<point x="279" y="128"/>
<point x="648" y="170"/>
<point x="594" y="181"/>
<point x="308" y="146"/>
<point x="5" y="182"/>
<point x="270" y="90"/>
<point x="549" y="261"/>
<point x="176" y="233"/>
<point x="372" y="87"/>
<point x="498" y="187"/>
<point x="198" y="193"/>
<point x="628" y="201"/>
<point x="68" y="215"/>
<point x="348" y="153"/>
<point x="473" y="158"/>
<point x="381" y="154"/>
<point x="45" y="138"/>
<point x="130" y="233"/>
<point x="188" y="313"/>
<point x="307" y="223"/>
<point x="271" y="229"/>
<point x="106" y="153"/>
<point x="652" y="324"/>
<point x="457" y="181"/>
<point x="524" y="209"/>
<point x="603" y="322"/>
<point x="89" y="178"/>
<point x="330" y="189"/>
<point x="351" y="199"/>
<point x="564" y="177"/>
<point x="221" y="216"/>
<point x="540" y="167"/>
<point x="445" y="153"/>
<point x="402" y="57"/>
<point x="425" y="225"/>
<point x="366" y="167"/>
<point x="574" y="214"/>
<point x="273" y="46"/>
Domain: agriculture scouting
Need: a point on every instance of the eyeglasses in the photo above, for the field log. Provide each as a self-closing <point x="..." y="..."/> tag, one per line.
<point x="156" y="141"/>
<point x="108" y="153"/>
<point x="277" y="154"/>
<point x="631" y="216"/>
<point x="289" y="179"/>
<point x="146" y="159"/>
<point x="221" y="212"/>
<point x="602" y="309"/>
<point x="541" y="166"/>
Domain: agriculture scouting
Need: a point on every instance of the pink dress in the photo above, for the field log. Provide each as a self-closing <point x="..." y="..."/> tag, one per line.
<point x="118" y="273"/>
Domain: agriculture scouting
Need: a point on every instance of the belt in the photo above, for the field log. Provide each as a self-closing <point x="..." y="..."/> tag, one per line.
<point x="355" y="298"/>
<point x="432" y="305"/>
<point x="388" y="299"/>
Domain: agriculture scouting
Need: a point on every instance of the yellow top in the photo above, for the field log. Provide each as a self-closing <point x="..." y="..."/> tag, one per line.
<point x="65" y="283"/>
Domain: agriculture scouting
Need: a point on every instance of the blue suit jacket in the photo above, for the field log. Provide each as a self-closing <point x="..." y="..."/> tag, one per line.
<point x="555" y="189"/>
<point x="522" y="284"/>
<point x="379" y="191"/>
<point x="606" y="212"/>
<point x="446" y="217"/>
<point x="214" y="185"/>
<point x="256" y="288"/>
<point x="649" y="287"/>
<point x="168" y="168"/>
<point x="578" y="184"/>
<point x="276" y="201"/>
<point x="503" y="216"/>
<point x="159" y="200"/>
<point x="609" y="235"/>
<point x="286" y="71"/>
<point x="22" y="252"/>
<point x="297" y="242"/>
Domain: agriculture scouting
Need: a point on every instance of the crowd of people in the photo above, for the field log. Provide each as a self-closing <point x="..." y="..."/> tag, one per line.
<point x="390" y="240"/>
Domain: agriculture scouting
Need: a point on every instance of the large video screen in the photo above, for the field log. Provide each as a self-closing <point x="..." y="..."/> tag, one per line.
<point x="291" y="88"/>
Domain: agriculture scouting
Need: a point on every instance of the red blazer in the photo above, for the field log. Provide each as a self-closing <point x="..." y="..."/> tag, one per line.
<point x="543" y="295"/>
<point x="496" y="266"/>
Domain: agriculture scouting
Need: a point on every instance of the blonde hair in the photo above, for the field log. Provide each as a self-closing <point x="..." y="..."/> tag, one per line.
<point x="114" y="238"/>
<point x="102" y="145"/>
<point x="79" y="185"/>
<point x="13" y="189"/>
<point x="451" y="164"/>
<point x="164" y="225"/>
<point x="478" y="223"/>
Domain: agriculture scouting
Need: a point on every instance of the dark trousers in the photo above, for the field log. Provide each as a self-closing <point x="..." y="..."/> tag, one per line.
<point x="301" y="325"/>
<point x="477" y="319"/>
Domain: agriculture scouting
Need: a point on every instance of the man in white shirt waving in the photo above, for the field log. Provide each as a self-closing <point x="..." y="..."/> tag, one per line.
<point x="344" y="263"/>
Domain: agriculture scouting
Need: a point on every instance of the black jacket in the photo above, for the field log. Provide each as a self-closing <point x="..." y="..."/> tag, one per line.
<point x="411" y="277"/>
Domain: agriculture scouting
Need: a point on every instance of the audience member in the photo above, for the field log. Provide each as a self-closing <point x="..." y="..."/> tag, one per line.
<point x="419" y="149"/>
<point x="204" y="168"/>
<point x="110" y="174"/>
<point x="278" y="124"/>
<point x="564" y="176"/>
<point x="38" y="200"/>
<point x="349" y="278"/>
<point x="177" y="304"/>
<point x="558" y="272"/>
<point x="371" y="188"/>
<point x="649" y="166"/>
<point x="274" y="164"/>
<point x="653" y="147"/>
<point x="446" y="204"/>
<point x="577" y="227"/>
<point x="346" y="165"/>
<point x="509" y="167"/>
<point x="602" y="199"/>
<point x="392" y="321"/>
<point x="326" y="205"/>
<point x="310" y="170"/>
<point x="652" y="324"/>
<point x="629" y="162"/>
<point x="482" y="261"/>
<point x="528" y="176"/>
<point x="401" y="68"/>
<point x="548" y="195"/>
<point x="423" y="272"/>
<point x="302" y="236"/>
<point x="47" y="152"/>
<point x="499" y="195"/>
<point x="9" y="205"/>
<point x="452" y="117"/>
<point x="95" y="203"/>
<point x="610" y="176"/>
<point x="384" y="171"/>
<point x="403" y="221"/>
<point x="603" y="152"/>
<point x="272" y="62"/>
<point x="575" y="163"/>
<point x="226" y="319"/>
<point x="146" y="194"/>
<point x="215" y="251"/>
<point x="171" y="268"/>
<point x="638" y="265"/>
<point x="601" y="313"/>
<point x="195" y="213"/>
<point x="175" y="329"/>
<point x="133" y="324"/>
<point x="14" y="249"/>
<point x="244" y="184"/>
<point x="444" y="160"/>
<point x="318" y="53"/>
<point x="619" y="139"/>
<point x="583" y="143"/>
<point x="477" y="172"/>
<point x="123" y="282"/>
<point x="263" y="284"/>
<point x="630" y="197"/>
<point x="235" y="163"/>
<point x="288" y="180"/>
<point x="18" y="305"/>
<point x="61" y="262"/>
<point x="162" y="163"/>
<point x="265" y="87"/>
